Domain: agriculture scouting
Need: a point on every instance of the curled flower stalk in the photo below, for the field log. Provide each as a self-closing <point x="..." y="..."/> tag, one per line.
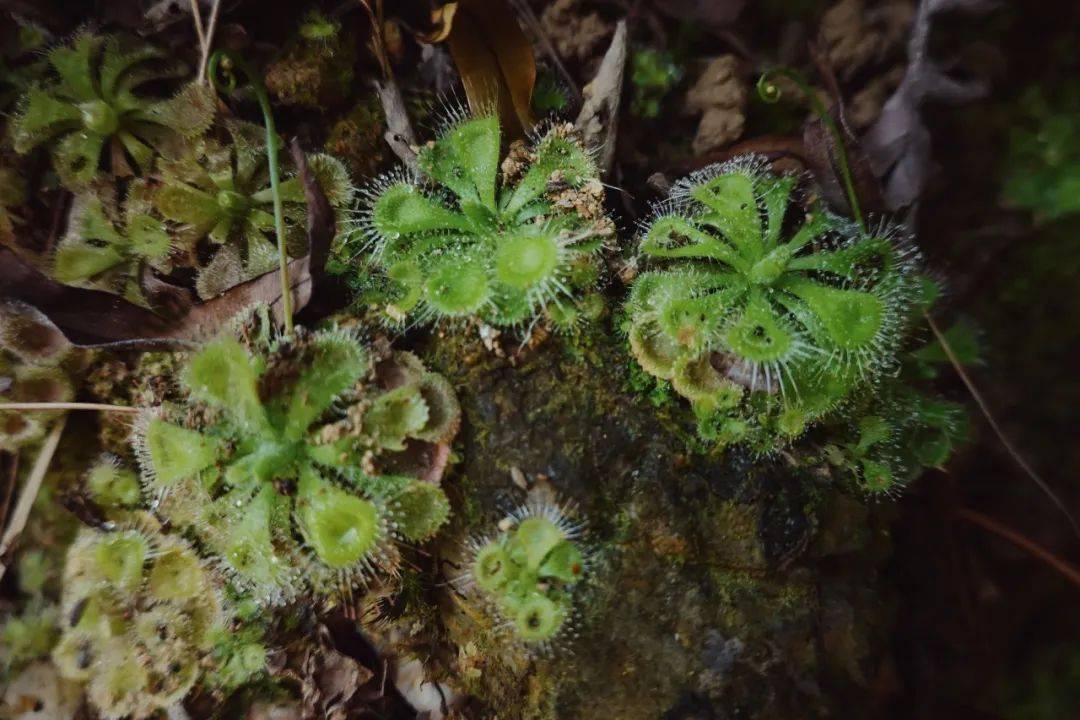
<point x="480" y="238"/>
<point x="756" y="305"/>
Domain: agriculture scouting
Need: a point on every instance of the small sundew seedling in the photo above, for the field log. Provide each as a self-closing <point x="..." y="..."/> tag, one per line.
<point x="276" y="464"/>
<point x="764" y="315"/>
<point x="527" y="572"/>
<point x="112" y="486"/>
<point x="137" y="615"/>
<point x="106" y="246"/>
<point x="91" y="110"/>
<point x="221" y="192"/>
<point x="470" y="241"/>
<point x="901" y="434"/>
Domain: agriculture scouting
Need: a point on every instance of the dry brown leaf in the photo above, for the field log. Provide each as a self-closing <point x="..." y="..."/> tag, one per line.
<point x="495" y="61"/>
<point x="598" y="121"/>
<point x="442" y="21"/>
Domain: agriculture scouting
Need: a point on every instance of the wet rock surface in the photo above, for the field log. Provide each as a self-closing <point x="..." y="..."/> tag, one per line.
<point x="718" y="588"/>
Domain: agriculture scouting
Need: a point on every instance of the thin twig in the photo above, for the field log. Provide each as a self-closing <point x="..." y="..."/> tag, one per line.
<point x="1006" y="443"/>
<point x="208" y="46"/>
<point x="533" y="22"/>
<point x="11" y="481"/>
<point x="196" y="17"/>
<point x="146" y="344"/>
<point x="1063" y="567"/>
<point x="54" y="406"/>
<point x="30" y="491"/>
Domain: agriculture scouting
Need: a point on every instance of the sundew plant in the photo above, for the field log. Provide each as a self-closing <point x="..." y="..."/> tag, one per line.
<point x="764" y="313"/>
<point x="474" y="237"/>
<point x="93" y="109"/>
<point x="527" y="572"/>
<point x="138" y="609"/>
<point x="288" y="462"/>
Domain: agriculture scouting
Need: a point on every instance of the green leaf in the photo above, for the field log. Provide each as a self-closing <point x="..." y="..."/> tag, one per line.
<point x="396" y="415"/>
<point x="732" y="198"/>
<point x="222" y="374"/>
<point x="176" y="453"/>
<point x="466" y="160"/>
<point x="342" y="529"/>
<point x="403" y="209"/>
<point x="42" y="117"/>
<point x="77" y="261"/>
<point x="74" y="64"/>
<point x="333" y="364"/>
<point x="849" y="319"/>
<point x="77" y="157"/>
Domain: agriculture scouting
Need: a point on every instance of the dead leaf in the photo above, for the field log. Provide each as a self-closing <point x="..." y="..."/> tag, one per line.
<point x="598" y="121"/>
<point x="399" y="133"/>
<point x="92" y="314"/>
<point x="899" y="143"/>
<point x="442" y="21"/>
<point x="774" y="148"/>
<point x="495" y="61"/>
<point x="321" y="221"/>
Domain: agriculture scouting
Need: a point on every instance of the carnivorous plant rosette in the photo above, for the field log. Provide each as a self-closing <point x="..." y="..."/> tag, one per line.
<point x="756" y="307"/>
<point x="292" y="462"/>
<point x="92" y="109"/>
<point x="478" y="238"/>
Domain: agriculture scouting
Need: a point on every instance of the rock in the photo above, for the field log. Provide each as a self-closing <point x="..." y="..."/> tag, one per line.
<point x="720" y="95"/>
<point x="702" y="598"/>
<point x="575" y="33"/>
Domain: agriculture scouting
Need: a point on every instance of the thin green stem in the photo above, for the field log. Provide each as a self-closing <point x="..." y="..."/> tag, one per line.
<point x="228" y="63"/>
<point x="770" y="93"/>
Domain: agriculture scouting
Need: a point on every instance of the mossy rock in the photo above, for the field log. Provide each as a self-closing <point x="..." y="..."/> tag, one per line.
<point x="709" y="591"/>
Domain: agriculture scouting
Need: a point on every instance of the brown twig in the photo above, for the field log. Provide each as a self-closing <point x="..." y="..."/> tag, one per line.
<point x="208" y="42"/>
<point x="30" y="491"/>
<point x="526" y="13"/>
<point x="10" y="460"/>
<point x="1064" y="568"/>
<point x="1006" y="443"/>
<point x="53" y="406"/>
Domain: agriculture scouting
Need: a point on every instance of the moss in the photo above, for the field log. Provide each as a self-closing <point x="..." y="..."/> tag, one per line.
<point x="671" y="531"/>
<point x="316" y="68"/>
<point x="357" y="139"/>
